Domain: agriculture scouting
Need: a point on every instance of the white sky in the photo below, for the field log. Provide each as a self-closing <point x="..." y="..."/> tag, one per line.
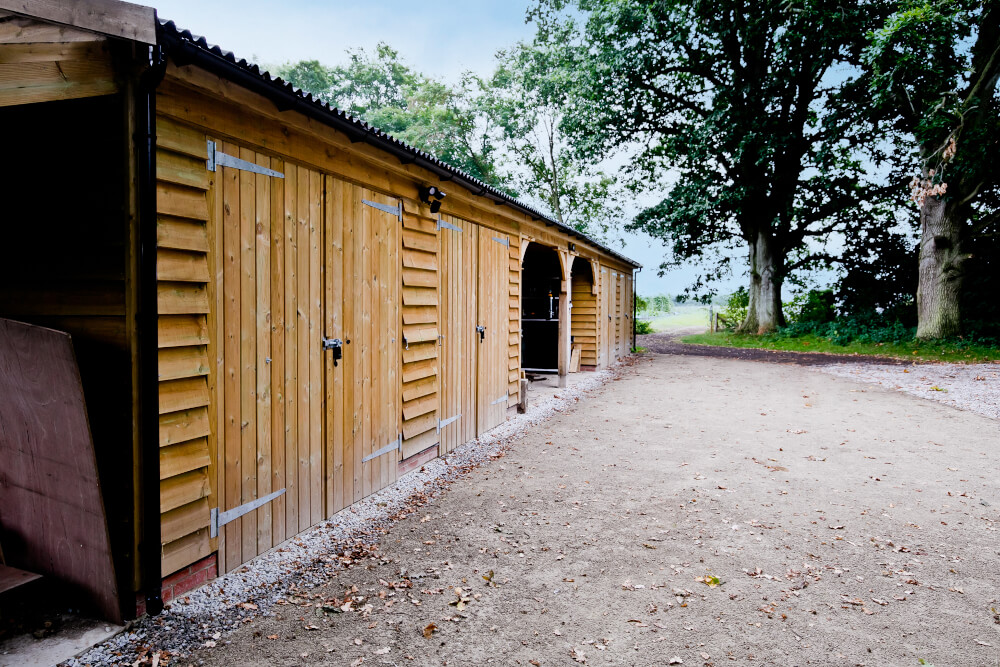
<point x="440" y="38"/>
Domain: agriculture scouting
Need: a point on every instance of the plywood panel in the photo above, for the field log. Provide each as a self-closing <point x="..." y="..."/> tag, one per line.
<point x="49" y="487"/>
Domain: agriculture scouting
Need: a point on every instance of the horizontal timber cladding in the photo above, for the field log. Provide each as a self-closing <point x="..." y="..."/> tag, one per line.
<point x="42" y="62"/>
<point x="584" y="313"/>
<point x="459" y="258"/>
<point x="513" y="320"/>
<point x="187" y="439"/>
<point x="420" y="380"/>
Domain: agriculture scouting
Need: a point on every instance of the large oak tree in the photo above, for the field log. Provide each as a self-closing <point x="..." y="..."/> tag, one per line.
<point x="752" y="104"/>
<point x="936" y="67"/>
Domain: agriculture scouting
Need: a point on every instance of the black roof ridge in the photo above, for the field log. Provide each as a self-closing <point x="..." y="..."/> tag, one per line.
<point x="185" y="46"/>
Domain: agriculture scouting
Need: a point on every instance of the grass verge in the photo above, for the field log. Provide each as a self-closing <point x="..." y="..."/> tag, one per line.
<point x="954" y="351"/>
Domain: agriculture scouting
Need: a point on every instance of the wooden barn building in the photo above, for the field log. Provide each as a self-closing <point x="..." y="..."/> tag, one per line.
<point x="270" y="323"/>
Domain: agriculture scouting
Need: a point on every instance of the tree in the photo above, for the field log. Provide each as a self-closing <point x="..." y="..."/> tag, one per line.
<point x="752" y="104"/>
<point x="936" y="66"/>
<point x="524" y="100"/>
<point x="380" y="89"/>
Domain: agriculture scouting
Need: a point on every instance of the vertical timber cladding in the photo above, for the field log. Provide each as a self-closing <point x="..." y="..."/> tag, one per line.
<point x="459" y="270"/>
<point x="187" y="436"/>
<point x="493" y="307"/>
<point x="420" y="353"/>
<point x="363" y="281"/>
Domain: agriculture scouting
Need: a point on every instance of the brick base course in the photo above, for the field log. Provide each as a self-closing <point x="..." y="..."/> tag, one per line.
<point x="183" y="581"/>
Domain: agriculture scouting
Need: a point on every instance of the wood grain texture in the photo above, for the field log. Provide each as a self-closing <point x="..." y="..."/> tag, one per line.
<point x="49" y="489"/>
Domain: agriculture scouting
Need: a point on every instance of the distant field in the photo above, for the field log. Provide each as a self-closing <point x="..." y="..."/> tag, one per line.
<point x="681" y="317"/>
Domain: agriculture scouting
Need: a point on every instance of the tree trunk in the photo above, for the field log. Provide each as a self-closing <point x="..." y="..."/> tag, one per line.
<point x="941" y="261"/>
<point x="766" y="276"/>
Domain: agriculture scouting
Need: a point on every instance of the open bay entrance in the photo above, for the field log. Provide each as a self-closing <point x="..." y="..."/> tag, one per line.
<point x="540" y="281"/>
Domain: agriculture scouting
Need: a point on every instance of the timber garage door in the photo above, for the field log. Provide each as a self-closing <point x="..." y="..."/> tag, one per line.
<point x="492" y="329"/>
<point x="362" y="342"/>
<point x="269" y="223"/>
<point x="459" y="339"/>
<point x="310" y="276"/>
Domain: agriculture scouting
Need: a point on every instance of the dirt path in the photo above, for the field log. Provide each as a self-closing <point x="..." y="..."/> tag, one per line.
<point x="849" y="526"/>
<point x="668" y="342"/>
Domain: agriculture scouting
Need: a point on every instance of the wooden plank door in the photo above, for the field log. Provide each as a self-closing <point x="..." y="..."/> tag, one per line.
<point x="269" y="305"/>
<point x="491" y="403"/>
<point x="459" y="350"/>
<point x="607" y="340"/>
<point x="619" y="300"/>
<point x="362" y="296"/>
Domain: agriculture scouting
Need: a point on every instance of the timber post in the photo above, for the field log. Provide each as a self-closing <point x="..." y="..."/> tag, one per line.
<point x="565" y="325"/>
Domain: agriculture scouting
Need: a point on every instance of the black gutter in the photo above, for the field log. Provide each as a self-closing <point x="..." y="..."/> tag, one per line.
<point x="150" y="547"/>
<point x="184" y="48"/>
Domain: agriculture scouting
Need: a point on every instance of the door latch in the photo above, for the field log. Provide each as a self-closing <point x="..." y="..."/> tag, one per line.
<point x="337" y="346"/>
<point x="482" y="333"/>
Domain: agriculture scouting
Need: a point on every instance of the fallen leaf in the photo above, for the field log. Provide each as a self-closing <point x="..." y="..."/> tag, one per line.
<point x="430" y="630"/>
<point x="709" y="580"/>
<point x="272" y="637"/>
<point x="310" y="627"/>
<point x="579" y="656"/>
<point x="675" y="661"/>
<point x="358" y="661"/>
<point x="210" y="644"/>
<point x="382" y="651"/>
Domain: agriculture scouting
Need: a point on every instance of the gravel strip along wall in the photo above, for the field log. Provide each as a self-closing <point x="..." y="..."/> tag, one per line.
<point x="973" y="387"/>
<point x="207" y="614"/>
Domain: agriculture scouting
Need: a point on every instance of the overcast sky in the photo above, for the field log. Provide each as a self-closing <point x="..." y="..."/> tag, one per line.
<point x="441" y="38"/>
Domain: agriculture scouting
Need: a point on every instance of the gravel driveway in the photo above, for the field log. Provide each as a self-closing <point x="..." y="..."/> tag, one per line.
<point x="695" y="511"/>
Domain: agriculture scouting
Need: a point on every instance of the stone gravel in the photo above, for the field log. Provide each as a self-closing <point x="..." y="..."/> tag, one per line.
<point x="972" y="387"/>
<point x="207" y="615"/>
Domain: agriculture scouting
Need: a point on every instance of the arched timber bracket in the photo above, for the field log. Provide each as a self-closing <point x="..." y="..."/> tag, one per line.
<point x="595" y="272"/>
<point x="566" y="266"/>
<point x="525" y="240"/>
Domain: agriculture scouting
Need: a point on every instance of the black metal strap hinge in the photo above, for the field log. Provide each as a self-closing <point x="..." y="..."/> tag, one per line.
<point x="217" y="158"/>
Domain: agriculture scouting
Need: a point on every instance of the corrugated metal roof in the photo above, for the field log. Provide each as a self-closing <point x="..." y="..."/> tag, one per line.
<point x="182" y="45"/>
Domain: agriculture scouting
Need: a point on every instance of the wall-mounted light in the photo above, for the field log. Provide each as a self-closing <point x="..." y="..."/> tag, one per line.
<point x="572" y="247"/>
<point x="433" y="196"/>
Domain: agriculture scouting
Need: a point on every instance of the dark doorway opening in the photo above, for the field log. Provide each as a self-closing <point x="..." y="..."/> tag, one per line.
<point x="540" y="280"/>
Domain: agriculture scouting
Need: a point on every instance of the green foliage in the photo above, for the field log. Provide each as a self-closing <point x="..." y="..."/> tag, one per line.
<point x="735" y="310"/>
<point x="382" y="90"/>
<point x="657" y="304"/>
<point x="812" y="306"/>
<point x="641" y="303"/>
<point x="525" y="100"/>
<point x="643" y="327"/>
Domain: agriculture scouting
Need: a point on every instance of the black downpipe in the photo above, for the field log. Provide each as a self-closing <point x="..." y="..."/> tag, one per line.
<point x="149" y="425"/>
<point x="635" y="304"/>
